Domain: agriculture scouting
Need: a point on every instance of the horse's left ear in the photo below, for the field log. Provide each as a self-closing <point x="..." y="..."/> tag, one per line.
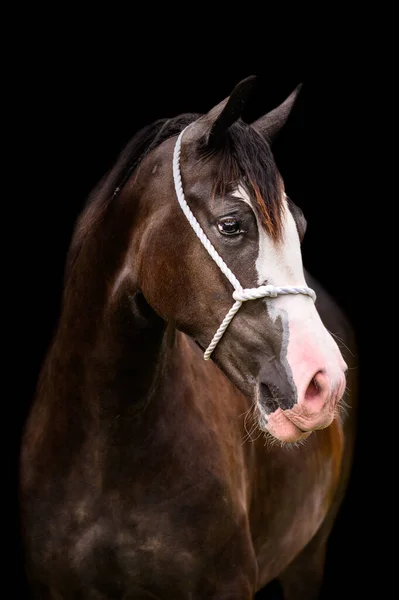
<point x="271" y="124"/>
<point x="217" y="121"/>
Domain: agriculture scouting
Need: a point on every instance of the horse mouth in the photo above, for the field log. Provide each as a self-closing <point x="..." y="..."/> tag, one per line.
<point x="292" y="427"/>
<point x="290" y="418"/>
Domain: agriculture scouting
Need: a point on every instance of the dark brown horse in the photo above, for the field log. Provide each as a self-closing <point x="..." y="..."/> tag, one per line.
<point x="147" y="471"/>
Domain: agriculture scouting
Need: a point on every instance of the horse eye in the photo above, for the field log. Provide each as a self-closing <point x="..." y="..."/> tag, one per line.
<point x="229" y="226"/>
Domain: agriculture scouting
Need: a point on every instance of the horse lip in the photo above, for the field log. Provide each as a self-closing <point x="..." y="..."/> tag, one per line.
<point x="302" y="430"/>
<point x="297" y="426"/>
<point x="282" y="428"/>
<point x="315" y="424"/>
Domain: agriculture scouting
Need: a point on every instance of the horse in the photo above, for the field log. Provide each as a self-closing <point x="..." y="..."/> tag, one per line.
<point x="187" y="438"/>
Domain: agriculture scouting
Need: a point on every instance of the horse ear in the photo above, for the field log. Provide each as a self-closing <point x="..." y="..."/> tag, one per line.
<point x="224" y="114"/>
<point x="271" y="124"/>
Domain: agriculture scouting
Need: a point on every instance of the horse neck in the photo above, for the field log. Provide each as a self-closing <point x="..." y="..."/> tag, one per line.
<point x="119" y="384"/>
<point x="111" y="351"/>
<point x="126" y="369"/>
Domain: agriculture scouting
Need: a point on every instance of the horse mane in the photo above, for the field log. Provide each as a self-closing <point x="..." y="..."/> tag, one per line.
<point x="244" y="158"/>
<point x="144" y="141"/>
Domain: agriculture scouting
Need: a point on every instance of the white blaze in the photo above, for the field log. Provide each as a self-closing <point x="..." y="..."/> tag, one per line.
<point x="279" y="263"/>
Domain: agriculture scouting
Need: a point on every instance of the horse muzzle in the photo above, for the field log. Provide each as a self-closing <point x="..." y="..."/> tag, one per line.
<point x="313" y="408"/>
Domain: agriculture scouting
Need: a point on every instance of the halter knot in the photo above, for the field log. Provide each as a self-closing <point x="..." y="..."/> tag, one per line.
<point x="263" y="291"/>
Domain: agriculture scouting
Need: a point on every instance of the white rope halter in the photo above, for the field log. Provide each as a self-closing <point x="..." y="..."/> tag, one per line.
<point x="240" y="294"/>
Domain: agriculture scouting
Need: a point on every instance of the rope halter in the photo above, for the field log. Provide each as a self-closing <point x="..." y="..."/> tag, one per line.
<point x="240" y="294"/>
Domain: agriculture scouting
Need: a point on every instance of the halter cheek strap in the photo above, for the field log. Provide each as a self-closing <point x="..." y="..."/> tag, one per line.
<point x="240" y="294"/>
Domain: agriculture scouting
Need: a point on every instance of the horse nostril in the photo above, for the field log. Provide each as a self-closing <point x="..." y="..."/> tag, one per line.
<point x="276" y="394"/>
<point x="312" y="390"/>
<point x="315" y="387"/>
<point x="266" y="395"/>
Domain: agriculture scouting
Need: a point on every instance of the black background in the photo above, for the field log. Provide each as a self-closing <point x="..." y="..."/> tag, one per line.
<point x="83" y="100"/>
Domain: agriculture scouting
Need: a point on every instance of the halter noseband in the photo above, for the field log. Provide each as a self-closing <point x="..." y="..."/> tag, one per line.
<point x="240" y="294"/>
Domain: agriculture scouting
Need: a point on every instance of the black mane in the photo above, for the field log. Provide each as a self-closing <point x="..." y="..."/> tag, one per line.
<point x="144" y="141"/>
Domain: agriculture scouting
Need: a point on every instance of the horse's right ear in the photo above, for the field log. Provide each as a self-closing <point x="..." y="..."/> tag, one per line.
<point x="272" y="123"/>
<point x="216" y="122"/>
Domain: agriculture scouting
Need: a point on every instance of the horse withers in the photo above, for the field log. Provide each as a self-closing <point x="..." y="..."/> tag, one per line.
<point x="186" y="441"/>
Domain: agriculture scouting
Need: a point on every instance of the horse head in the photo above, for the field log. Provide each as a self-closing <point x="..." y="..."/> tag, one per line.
<point x="276" y="349"/>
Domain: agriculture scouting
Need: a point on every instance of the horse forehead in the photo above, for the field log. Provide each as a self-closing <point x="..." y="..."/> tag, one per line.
<point x="198" y="177"/>
<point x="197" y="169"/>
